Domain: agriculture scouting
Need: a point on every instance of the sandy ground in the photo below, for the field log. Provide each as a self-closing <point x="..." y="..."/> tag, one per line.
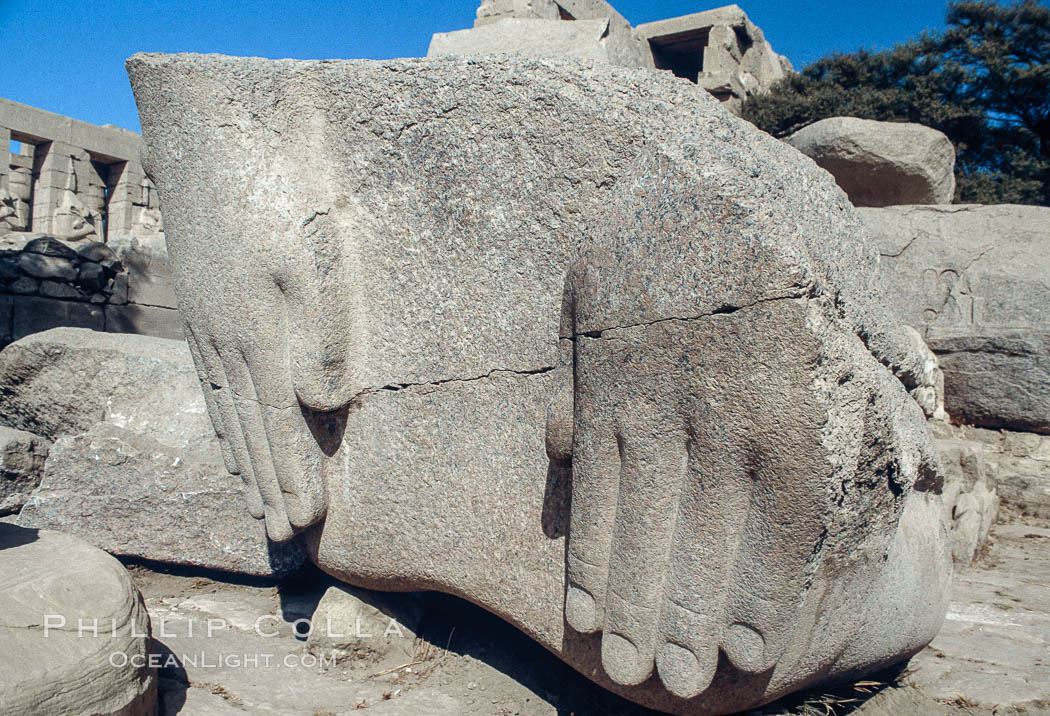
<point x="992" y="657"/>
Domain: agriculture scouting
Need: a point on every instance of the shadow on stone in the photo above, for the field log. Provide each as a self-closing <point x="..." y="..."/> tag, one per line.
<point x="326" y="427"/>
<point x="15" y="536"/>
<point x="453" y="624"/>
<point x="849" y="698"/>
<point x="173" y="682"/>
<point x="214" y="575"/>
<point x="557" y="495"/>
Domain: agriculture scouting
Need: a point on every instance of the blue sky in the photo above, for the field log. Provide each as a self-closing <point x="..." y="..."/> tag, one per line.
<point x="67" y="56"/>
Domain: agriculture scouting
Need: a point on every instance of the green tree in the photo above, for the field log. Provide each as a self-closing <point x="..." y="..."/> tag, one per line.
<point x="984" y="82"/>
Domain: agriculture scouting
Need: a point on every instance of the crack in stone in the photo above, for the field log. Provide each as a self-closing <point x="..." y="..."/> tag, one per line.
<point x="721" y="310"/>
<point x="907" y="246"/>
<point x="316" y="214"/>
<point x="398" y="387"/>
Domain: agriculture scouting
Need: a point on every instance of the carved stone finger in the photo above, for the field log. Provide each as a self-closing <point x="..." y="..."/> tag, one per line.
<point x="293" y="450"/>
<point x="209" y="385"/>
<point x="708" y="528"/>
<point x="652" y="473"/>
<point x="787" y="511"/>
<point x="219" y="399"/>
<point x="249" y="414"/>
<point x="596" y="475"/>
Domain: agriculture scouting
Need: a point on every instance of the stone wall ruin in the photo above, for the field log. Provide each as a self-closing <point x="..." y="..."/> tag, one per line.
<point x="81" y="236"/>
<point x="720" y="50"/>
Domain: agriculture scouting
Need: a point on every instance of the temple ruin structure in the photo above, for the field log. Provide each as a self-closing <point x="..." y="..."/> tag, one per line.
<point x="720" y="50"/>
<point x="81" y="235"/>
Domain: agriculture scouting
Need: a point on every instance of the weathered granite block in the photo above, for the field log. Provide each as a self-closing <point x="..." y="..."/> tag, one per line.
<point x="63" y="381"/>
<point x="136" y="497"/>
<point x="431" y="253"/>
<point x="22" y="458"/>
<point x="882" y="163"/>
<point x="137" y="469"/>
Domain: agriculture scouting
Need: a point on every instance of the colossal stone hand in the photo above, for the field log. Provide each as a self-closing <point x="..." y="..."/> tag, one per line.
<point x="703" y="338"/>
<point x="277" y="351"/>
<point x="258" y="397"/>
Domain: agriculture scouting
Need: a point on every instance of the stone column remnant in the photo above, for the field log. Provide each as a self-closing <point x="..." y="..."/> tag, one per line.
<point x="568" y="341"/>
<point x="5" y="158"/>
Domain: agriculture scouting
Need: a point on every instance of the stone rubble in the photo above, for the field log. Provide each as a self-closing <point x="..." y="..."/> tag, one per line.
<point x="135" y="467"/>
<point x="358" y="623"/>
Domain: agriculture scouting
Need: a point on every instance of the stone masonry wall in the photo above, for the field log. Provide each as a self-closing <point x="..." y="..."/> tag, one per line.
<point x="81" y="236"/>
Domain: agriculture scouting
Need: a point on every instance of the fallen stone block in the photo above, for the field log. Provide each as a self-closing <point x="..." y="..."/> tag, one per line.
<point x="972" y="281"/>
<point x="75" y="631"/>
<point x="351" y="623"/>
<point x="135" y="497"/>
<point x="101" y="254"/>
<point x="42" y="266"/>
<point x="22" y="457"/>
<point x="50" y="246"/>
<point x="136" y="468"/>
<point x="882" y="163"/>
<point x="91" y="276"/>
<point x="63" y="381"/>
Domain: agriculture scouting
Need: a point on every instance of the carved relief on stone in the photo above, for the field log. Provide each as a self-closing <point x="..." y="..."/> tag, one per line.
<point x="148" y="223"/>
<point x="73" y="221"/>
<point x="15" y="200"/>
<point x="9" y="220"/>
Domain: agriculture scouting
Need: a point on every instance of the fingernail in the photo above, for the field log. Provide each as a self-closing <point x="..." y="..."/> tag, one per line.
<point x="580" y="610"/>
<point x="745" y="647"/>
<point x="254" y="501"/>
<point x="681" y="672"/>
<point x="294" y="508"/>
<point x="277" y="526"/>
<point x="622" y="661"/>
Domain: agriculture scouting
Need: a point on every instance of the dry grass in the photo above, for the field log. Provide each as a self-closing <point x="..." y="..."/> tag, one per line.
<point x="839" y="701"/>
